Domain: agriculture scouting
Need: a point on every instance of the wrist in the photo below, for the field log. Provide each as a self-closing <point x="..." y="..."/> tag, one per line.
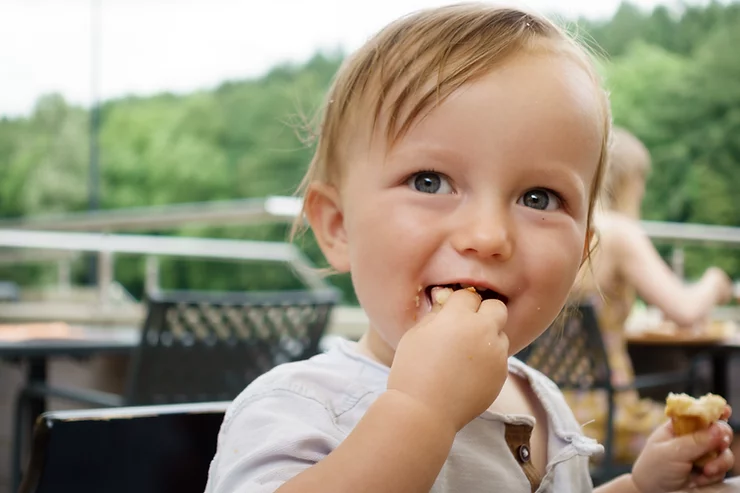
<point x="630" y="485"/>
<point x="422" y="413"/>
<point x="621" y="484"/>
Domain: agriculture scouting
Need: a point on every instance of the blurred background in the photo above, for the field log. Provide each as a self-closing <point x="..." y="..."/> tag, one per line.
<point x="149" y="146"/>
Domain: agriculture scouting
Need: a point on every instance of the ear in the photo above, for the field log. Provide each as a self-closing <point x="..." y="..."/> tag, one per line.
<point x="588" y="244"/>
<point x="323" y="209"/>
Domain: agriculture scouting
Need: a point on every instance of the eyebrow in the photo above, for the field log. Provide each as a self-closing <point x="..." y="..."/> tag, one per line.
<point x="438" y="153"/>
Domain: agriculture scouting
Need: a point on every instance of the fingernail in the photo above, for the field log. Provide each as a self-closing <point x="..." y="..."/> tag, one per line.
<point x="711" y="470"/>
<point x="726" y="439"/>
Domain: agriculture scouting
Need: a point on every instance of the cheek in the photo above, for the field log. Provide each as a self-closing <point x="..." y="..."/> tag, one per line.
<point x="552" y="271"/>
<point x="388" y="253"/>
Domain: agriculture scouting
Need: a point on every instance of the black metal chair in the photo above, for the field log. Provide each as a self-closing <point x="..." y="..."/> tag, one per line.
<point x="201" y="347"/>
<point x="573" y="355"/>
<point x="153" y="449"/>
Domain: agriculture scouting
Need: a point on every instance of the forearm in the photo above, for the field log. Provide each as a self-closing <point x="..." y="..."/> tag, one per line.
<point x="400" y="445"/>
<point x="621" y="484"/>
<point x="696" y="305"/>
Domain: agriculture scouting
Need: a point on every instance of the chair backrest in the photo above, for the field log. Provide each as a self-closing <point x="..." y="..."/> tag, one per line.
<point x="572" y="353"/>
<point x="199" y="347"/>
<point x="156" y="449"/>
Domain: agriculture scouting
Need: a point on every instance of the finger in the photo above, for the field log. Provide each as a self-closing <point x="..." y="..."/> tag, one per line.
<point x="720" y="465"/>
<point x="727" y="413"/>
<point x="462" y="300"/>
<point x="702" y="480"/>
<point x="664" y="432"/>
<point x="427" y="318"/>
<point x="727" y="434"/>
<point x="692" y="446"/>
<point x="495" y="311"/>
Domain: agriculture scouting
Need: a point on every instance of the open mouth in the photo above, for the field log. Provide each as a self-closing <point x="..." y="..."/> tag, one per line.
<point x="439" y="294"/>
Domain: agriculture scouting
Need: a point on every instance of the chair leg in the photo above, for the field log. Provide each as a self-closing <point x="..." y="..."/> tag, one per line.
<point x="19" y="425"/>
<point x="609" y="439"/>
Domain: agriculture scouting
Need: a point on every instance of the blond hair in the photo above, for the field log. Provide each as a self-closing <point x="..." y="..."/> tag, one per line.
<point x="628" y="159"/>
<point x="415" y="63"/>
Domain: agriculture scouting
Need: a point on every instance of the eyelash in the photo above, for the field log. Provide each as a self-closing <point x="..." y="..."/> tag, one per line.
<point x="426" y="170"/>
<point x="559" y="196"/>
<point x="429" y="170"/>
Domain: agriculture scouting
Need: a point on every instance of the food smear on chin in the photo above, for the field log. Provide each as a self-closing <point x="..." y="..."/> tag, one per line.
<point x="417" y="300"/>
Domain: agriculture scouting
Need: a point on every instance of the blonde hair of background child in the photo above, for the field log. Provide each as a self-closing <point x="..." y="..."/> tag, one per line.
<point x="415" y="63"/>
<point x="628" y="159"/>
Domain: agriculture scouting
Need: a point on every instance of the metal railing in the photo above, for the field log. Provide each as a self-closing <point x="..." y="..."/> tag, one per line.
<point x="241" y="212"/>
<point x="152" y="247"/>
<point x="679" y="235"/>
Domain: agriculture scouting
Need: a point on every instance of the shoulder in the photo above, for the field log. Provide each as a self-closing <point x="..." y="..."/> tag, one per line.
<point x="292" y="417"/>
<point x="332" y="383"/>
<point x="537" y="379"/>
<point x="617" y="227"/>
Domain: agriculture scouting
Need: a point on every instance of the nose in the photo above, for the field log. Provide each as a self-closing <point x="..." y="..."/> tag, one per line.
<point x="484" y="231"/>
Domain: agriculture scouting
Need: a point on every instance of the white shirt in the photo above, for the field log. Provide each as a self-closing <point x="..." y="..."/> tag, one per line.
<point x="296" y="414"/>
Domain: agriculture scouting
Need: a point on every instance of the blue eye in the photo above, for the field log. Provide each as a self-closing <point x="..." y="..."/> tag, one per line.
<point x="540" y="199"/>
<point x="429" y="182"/>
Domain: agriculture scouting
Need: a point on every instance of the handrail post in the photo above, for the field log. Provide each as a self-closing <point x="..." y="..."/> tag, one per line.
<point x="64" y="275"/>
<point x="151" y="279"/>
<point x="678" y="259"/>
<point x="105" y="276"/>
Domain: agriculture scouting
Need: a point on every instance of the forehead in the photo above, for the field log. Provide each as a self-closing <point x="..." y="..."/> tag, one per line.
<point x="535" y="107"/>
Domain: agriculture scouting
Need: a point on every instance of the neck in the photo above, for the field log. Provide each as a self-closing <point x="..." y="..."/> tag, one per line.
<point x="376" y="348"/>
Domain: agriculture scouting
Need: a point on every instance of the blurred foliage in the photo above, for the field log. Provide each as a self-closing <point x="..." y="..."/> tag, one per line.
<point x="672" y="73"/>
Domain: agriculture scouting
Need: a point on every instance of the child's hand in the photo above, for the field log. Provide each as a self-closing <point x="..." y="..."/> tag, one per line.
<point x="666" y="462"/>
<point x="454" y="361"/>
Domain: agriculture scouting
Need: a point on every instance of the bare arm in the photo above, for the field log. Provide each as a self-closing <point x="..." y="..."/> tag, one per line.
<point x="639" y="263"/>
<point x="622" y="484"/>
<point x="400" y="445"/>
<point x="404" y="438"/>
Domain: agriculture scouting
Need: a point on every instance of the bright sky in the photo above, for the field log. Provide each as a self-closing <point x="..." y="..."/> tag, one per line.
<point x="149" y="46"/>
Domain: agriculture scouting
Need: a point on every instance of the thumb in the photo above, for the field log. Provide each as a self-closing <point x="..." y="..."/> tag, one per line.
<point x="692" y="446"/>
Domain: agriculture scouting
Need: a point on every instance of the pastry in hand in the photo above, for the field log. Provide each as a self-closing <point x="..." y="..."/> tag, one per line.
<point x="689" y="415"/>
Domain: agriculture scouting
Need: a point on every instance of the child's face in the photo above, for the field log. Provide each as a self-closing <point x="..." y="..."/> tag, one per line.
<point x="490" y="189"/>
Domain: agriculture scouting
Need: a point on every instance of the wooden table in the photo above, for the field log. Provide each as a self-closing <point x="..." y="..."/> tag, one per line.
<point x="719" y="349"/>
<point x="36" y="343"/>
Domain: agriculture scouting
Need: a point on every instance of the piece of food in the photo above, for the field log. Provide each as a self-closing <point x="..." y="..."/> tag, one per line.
<point x="440" y="295"/>
<point x="689" y="415"/>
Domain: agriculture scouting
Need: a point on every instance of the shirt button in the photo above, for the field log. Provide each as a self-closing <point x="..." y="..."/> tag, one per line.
<point x="523" y="452"/>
